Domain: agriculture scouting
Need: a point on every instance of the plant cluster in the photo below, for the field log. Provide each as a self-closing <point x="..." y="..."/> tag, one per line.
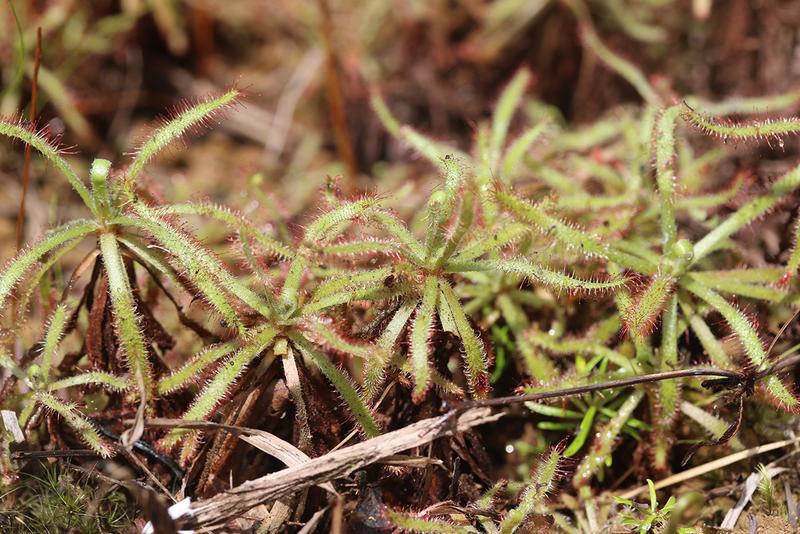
<point x="519" y="234"/>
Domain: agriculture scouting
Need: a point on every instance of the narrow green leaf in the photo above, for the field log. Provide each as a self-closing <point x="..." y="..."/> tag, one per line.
<point x="52" y="338"/>
<point x="747" y="214"/>
<point x="331" y="286"/>
<point x="477" y="370"/>
<point x="605" y="441"/>
<point x="50" y="152"/>
<point x="77" y="421"/>
<point x="235" y="221"/>
<point x="642" y="315"/>
<point x="397" y="229"/>
<point x="125" y="320"/>
<point x="583" y="432"/>
<point x="544" y="480"/>
<point x="554" y="279"/>
<point x="712" y="424"/>
<point x="739" y="322"/>
<point x="188" y="118"/>
<point x="567" y="234"/>
<point x="504" y="111"/>
<point x="707" y="338"/>
<point x="342" y="383"/>
<point x="430" y="149"/>
<point x="217" y="389"/>
<point x="205" y="272"/>
<point x="420" y="335"/>
<point x="494" y="241"/>
<point x="193" y="368"/>
<point x="772" y="129"/>
<point x="664" y="139"/>
<point x="410" y="523"/>
<point x="623" y="67"/>
<point x="14" y="271"/>
<point x="742" y="289"/>
<point x="97" y="378"/>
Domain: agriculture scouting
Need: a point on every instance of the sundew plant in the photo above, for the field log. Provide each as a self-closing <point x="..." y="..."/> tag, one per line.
<point x="582" y="255"/>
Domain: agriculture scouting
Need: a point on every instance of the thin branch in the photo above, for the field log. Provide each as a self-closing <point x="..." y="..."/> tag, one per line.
<point x="236" y="501"/>
<point x="611" y="384"/>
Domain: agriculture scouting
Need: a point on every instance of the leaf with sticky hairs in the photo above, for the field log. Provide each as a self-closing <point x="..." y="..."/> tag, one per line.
<point x="54" y="331"/>
<point x="342" y="383"/>
<point x="76" y="420"/>
<point x="125" y="319"/>
<point x="751" y="342"/>
<point x="627" y="70"/>
<point x="474" y="352"/>
<point x="551" y="278"/>
<point x="15" y="270"/>
<point x="748" y="213"/>
<point x="504" y="111"/>
<point x="750" y="130"/>
<point x="218" y="388"/>
<point x="235" y="221"/>
<point x="567" y="234"/>
<point x="39" y="141"/>
<point x="421" y="331"/>
<point x="189" y="371"/>
<point x="712" y="424"/>
<point x="543" y="481"/>
<point x="94" y="378"/>
<point x="413" y="523"/>
<point x="430" y="149"/>
<point x="641" y="317"/>
<point x="606" y="440"/>
<point x="183" y="119"/>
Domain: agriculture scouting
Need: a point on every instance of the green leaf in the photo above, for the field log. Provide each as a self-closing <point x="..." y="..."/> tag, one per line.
<point x="747" y="214"/>
<point x="375" y="369"/>
<point x="664" y="139"/>
<point x="97" y="378"/>
<point x="410" y="523"/>
<point x="771" y="130"/>
<point x="193" y="368"/>
<point x="604" y="443"/>
<point x="627" y="70"/>
<point x="342" y="383"/>
<point x="516" y="151"/>
<point x="217" y="389"/>
<point x="571" y="236"/>
<point x="712" y="424"/>
<point x="49" y="150"/>
<point x="421" y="330"/>
<point x="125" y="320"/>
<point x="235" y="221"/>
<point x="642" y="316"/>
<point x="17" y="267"/>
<point x="739" y="322"/>
<point x="205" y="272"/>
<point x="474" y="353"/>
<point x="544" y="480"/>
<point x="77" y="421"/>
<point x="189" y="117"/>
<point x="430" y="149"/>
<point x="583" y="432"/>
<point x="54" y="333"/>
<point x="504" y="111"/>
<point x="551" y="278"/>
